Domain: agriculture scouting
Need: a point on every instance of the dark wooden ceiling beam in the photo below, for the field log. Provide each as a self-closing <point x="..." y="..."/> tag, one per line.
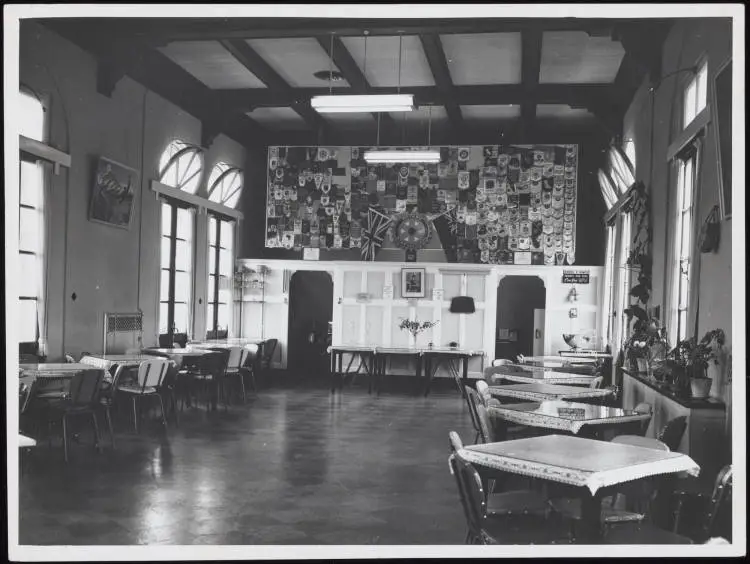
<point x="253" y="62"/>
<point x="433" y="50"/>
<point x="571" y="94"/>
<point x="192" y="29"/>
<point x="337" y="51"/>
<point x="531" y="65"/>
<point x="161" y="75"/>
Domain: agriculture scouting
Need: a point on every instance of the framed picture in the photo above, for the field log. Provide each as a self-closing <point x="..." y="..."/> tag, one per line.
<point x="412" y="282"/>
<point x="722" y="109"/>
<point x="113" y="193"/>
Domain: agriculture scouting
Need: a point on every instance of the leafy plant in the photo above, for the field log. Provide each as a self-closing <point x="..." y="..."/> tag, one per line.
<point x="692" y="357"/>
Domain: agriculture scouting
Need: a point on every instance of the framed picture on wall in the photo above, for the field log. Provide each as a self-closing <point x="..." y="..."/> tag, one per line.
<point x="722" y="109"/>
<point x="412" y="282"/>
<point x="113" y="193"/>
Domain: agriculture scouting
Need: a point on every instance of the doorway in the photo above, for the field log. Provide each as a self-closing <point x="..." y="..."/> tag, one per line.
<point x="310" y="314"/>
<point x="521" y="302"/>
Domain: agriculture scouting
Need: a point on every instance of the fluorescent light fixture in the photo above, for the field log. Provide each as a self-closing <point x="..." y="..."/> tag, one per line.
<point x="404" y="156"/>
<point x="363" y="103"/>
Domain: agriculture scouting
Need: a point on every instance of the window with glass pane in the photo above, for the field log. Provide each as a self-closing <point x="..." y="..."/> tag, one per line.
<point x="30" y="223"/>
<point x="609" y="281"/>
<point x="694" y="96"/>
<point x="181" y="166"/>
<point x="624" y="286"/>
<point x="220" y="271"/>
<point x="225" y="184"/>
<point x="176" y="269"/>
<point x="683" y="241"/>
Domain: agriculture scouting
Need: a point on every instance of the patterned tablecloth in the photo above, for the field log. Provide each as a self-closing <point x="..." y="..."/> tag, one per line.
<point x="541" y="392"/>
<point x="563" y="415"/>
<point x="556" y="359"/>
<point x="576" y="461"/>
<point x="542" y="377"/>
<point x="107" y="361"/>
<point x="52" y="369"/>
<point x="249" y="344"/>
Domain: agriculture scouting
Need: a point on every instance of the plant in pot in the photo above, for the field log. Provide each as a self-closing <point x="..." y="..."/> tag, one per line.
<point x="688" y="361"/>
<point x="646" y="340"/>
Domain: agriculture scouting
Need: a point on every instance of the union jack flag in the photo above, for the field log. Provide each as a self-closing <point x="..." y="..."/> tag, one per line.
<point x="373" y="234"/>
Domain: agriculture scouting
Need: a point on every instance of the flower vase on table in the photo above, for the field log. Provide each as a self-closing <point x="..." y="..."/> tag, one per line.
<point x="415" y="327"/>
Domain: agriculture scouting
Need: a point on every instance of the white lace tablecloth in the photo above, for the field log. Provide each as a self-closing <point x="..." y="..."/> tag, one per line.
<point x="107" y="361"/>
<point x="557" y="378"/>
<point x="554" y="420"/>
<point x="541" y="392"/>
<point x="576" y="461"/>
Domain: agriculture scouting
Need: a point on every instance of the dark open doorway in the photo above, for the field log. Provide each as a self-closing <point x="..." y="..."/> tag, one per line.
<point x="521" y="301"/>
<point x="310" y="313"/>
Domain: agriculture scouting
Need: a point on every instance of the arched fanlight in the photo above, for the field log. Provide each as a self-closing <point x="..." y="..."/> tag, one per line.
<point x="225" y="184"/>
<point x="622" y="169"/>
<point x="609" y="191"/>
<point x="181" y="166"/>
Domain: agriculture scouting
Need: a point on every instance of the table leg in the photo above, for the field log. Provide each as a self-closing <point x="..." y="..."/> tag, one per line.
<point x="466" y="369"/>
<point x="333" y="371"/>
<point x="420" y="361"/>
<point x="380" y="372"/>
<point x="428" y="374"/>
<point x="368" y="370"/>
<point x="591" y="518"/>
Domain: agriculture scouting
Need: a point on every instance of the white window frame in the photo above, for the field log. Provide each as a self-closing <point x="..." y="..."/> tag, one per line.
<point x="693" y="105"/>
<point x="608" y="309"/>
<point x="622" y="284"/>
<point x="213" y="269"/>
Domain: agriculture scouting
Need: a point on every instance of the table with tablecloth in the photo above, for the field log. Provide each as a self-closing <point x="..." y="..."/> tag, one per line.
<point x="541" y="392"/>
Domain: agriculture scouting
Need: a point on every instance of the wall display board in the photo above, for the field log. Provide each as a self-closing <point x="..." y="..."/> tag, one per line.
<point x="506" y="204"/>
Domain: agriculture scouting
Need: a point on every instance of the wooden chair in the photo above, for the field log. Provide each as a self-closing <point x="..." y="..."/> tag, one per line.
<point x="498" y="528"/>
<point x="236" y="367"/>
<point x="266" y="354"/>
<point x="150" y="377"/>
<point x="671" y="434"/>
<point x="82" y="398"/>
<point x="715" y="509"/>
<point x="107" y="399"/>
<point x="210" y="375"/>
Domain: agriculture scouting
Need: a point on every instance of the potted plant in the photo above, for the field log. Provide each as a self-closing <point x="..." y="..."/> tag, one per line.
<point x="688" y="361"/>
<point x="415" y="327"/>
<point x="645" y="341"/>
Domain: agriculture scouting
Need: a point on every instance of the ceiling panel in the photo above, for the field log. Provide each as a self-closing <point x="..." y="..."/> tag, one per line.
<point x="423" y="115"/>
<point x="498" y="112"/>
<point x="279" y="119"/>
<point x="210" y="63"/>
<point x="296" y="60"/>
<point x="382" y="60"/>
<point x="483" y="58"/>
<point x="574" y="57"/>
<point x="562" y="111"/>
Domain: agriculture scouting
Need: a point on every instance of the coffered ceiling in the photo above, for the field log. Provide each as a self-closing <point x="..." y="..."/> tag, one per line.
<point x="253" y="78"/>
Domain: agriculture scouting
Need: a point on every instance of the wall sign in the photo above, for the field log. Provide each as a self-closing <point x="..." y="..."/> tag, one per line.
<point x="388" y="292"/>
<point x="575" y="277"/>
<point x="310" y="253"/>
<point x="496" y="204"/>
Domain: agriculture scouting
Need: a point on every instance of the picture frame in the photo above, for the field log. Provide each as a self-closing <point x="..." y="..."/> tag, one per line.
<point x="413" y="282"/>
<point x="722" y="116"/>
<point x="113" y="193"/>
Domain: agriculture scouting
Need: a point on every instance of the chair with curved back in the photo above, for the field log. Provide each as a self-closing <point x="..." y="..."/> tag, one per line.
<point x="210" y="374"/>
<point x="107" y="398"/>
<point x="507" y="527"/>
<point x="472" y="399"/>
<point x="150" y="377"/>
<point x="645" y="408"/>
<point x="671" y="434"/>
<point x="266" y="354"/>
<point x="236" y="367"/>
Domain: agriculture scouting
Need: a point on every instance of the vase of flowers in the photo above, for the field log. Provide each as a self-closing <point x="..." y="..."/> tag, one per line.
<point x="415" y="327"/>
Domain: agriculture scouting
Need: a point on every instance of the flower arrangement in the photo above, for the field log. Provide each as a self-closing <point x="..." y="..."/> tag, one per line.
<point x="692" y="356"/>
<point x="414" y="326"/>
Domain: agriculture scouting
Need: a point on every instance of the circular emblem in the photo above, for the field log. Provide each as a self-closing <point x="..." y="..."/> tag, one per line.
<point x="411" y="231"/>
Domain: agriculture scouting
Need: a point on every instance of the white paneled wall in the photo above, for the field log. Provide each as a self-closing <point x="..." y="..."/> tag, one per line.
<point x="362" y="315"/>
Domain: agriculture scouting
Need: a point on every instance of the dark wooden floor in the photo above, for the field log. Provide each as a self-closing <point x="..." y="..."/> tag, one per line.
<point x="295" y="465"/>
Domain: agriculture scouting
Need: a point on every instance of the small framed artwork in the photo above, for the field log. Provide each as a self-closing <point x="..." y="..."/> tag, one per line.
<point x="113" y="193"/>
<point x="412" y="282"/>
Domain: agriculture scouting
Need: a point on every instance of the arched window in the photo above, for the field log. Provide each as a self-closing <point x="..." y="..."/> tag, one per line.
<point x="225" y="184"/>
<point x="620" y="169"/>
<point x="629" y="150"/>
<point x="181" y="166"/>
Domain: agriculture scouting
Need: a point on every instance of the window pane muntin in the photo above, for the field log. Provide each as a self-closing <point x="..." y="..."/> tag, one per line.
<point x="26" y="322"/>
<point x="183" y="258"/>
<point x="29" y="272"/>
<point x="227" y="234"/>
<point x="181" y="317"/>
<point x="32" y="182"/>
<point x="184" y="224"/>
<point x="182" y="287"/>
<point x="701" y="88"/>
<point x="689" y="102"/>
<point x="31" y="112"/>
<point x="181" y="166"/>
<point x="29" y="223"/>
<point x="211" y="230"/>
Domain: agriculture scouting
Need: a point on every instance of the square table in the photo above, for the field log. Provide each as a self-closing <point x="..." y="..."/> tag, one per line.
<point x="590" y="466"/>
<point x="541" y="392"/>
<point x="566" y="416"/>
<point x="366" y="356"/>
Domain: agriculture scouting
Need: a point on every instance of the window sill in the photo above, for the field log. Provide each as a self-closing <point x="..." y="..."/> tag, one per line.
<point x="689" y="133"/>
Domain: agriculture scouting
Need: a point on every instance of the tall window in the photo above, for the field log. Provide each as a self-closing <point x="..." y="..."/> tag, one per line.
<point x="694" y="96"/>
<point x="225" y="185"/>
<point x="609" y="285"/>
<point x="181" y="166"/>
<point x="623" y="287"/>
<point x="683" y="242"/>
<point x="31" y="225"/>
<point x="220" y="268"/>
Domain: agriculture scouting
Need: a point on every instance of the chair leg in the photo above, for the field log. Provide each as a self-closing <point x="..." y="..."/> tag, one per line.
<point x="65" y="436"/>
<point x="163" y="415"/>
<point x="97" y="440"/>
<point x="135" y="414"/>
<point x="173" y="401"/>
<point x="242" y="387"/>
<point x="109" y="424"/>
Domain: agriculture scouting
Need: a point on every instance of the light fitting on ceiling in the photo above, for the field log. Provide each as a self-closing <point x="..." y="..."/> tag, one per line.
<point x="402" y="156"/>
<point x="363" y="103"/>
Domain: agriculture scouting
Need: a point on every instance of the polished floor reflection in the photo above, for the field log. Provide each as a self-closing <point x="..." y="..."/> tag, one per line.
<point x="296" y="465"/>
